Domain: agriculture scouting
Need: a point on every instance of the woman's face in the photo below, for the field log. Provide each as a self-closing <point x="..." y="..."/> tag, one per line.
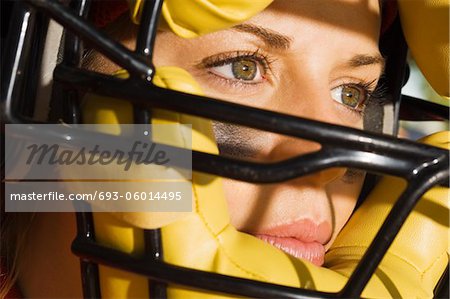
<point x="315" y="59"/>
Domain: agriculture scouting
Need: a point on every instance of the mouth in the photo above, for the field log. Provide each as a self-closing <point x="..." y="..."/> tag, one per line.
<point x="302" y="239"/>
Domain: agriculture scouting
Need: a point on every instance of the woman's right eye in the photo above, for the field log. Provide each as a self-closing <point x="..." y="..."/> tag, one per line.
<point x="239" y="68"/>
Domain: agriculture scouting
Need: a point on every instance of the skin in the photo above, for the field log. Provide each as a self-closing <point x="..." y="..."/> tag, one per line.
<point x="314" y="48"/>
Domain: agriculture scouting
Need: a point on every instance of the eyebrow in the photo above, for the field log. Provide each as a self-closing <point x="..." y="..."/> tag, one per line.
<point x="279" y="41"/>
<point x="271" y="38"/>
<point x="363" y="60"/>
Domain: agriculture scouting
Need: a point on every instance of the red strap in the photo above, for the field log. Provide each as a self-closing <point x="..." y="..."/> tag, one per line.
<point x="389" y="12"/>
<point x="105" y="12"/>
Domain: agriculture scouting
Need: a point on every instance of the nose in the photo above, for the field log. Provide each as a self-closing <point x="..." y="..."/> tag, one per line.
<point x="307" y="95"/>
<point x="287" y="147"/>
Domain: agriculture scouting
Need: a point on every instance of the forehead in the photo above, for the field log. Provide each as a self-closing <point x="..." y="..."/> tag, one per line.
<point x="359" y="17"/>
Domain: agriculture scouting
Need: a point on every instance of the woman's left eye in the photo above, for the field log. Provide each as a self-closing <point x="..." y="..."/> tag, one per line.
<point x="242" y="69"/>
<point x="352" y="96"/>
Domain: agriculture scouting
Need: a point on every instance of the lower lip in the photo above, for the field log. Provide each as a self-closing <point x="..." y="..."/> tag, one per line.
<point x="310" y="251"/>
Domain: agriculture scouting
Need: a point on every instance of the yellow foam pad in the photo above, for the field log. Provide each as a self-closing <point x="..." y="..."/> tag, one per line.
<point x="426" y="27"/>
<point x="192" y="18"/>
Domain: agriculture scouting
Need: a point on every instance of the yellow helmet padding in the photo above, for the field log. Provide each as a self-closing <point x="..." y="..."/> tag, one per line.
<point x="426" y="27"/>
<point x="205" y="240"/>
<point x="106" y="110"/>
<point x="419" y="254"/>
<point x="192" y="18"/>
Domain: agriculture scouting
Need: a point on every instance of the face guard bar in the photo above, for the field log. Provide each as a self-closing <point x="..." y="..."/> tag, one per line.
<point x="421" y="165"/>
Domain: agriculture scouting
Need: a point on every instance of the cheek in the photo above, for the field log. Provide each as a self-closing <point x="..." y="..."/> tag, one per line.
<point x="241" y="204"/>
<point x="343" y="196"/>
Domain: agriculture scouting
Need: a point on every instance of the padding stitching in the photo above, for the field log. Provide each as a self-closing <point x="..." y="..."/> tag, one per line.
<point x="432" y="265"/>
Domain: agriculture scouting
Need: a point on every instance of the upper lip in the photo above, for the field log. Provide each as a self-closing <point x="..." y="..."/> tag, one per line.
<point x="304" y="230"/>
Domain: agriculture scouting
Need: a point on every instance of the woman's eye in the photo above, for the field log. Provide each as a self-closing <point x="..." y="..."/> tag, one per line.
<point x="244" y="69"/>
<point x="349" y="95"/>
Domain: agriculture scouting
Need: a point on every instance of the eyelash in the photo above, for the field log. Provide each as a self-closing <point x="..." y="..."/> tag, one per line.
<point x="261" y="59"/>
<point x="374" y="94"/>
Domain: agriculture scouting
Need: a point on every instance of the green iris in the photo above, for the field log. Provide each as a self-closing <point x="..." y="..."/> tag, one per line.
<point x="351" y="96"/>
<point x="244" y="69"/>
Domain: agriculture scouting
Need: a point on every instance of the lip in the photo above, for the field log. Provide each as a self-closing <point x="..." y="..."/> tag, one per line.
<point x="302" y="239"/>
